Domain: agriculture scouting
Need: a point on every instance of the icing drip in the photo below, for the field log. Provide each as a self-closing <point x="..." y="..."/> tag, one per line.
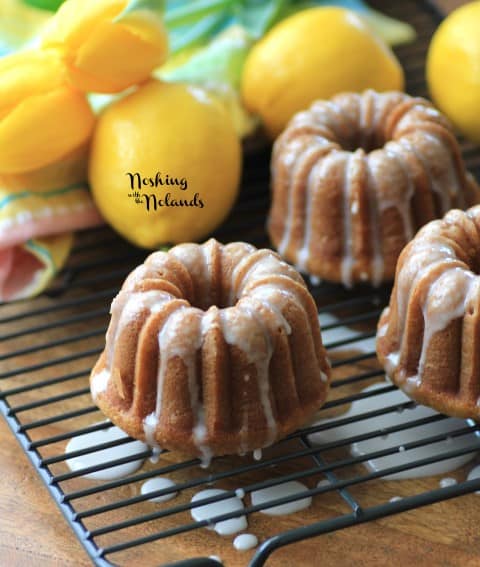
<point x="303" y="254"/>
<point x="446" y="300"/>
<point x="444" y="196"/>
<point x="129" y="304"/>
<point x="402" y="201"/>
<point x="290" y="162"/>
<point x="317" y="173"/>
<point x="99" y="383"/>
<point x="424" y="257"/>
<point x="255" y="343"/>
<point x="150" y="423"/>
<point x="347" y="260"/>
<point x="185" y="345"/>
<point x="377" y="266"/>
<point x="274" y="299"/>
<point x="452" y="184"/>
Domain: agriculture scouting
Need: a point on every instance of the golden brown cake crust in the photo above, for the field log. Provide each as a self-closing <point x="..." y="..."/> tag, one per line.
<point x="428" y="339"/>
<point x="212" y="350"/>
<point x="353" y="178"/>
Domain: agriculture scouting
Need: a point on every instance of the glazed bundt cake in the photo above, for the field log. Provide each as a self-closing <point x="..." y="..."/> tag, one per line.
<point x="429" y="337"/>
<point x="212" y="350"/>
<point x="353" y="179"/>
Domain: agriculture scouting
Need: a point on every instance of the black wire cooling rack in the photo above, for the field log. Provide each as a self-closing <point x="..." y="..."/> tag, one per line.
<point x="48" y="345"/>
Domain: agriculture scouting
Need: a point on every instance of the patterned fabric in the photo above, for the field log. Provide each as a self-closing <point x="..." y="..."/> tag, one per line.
<point x="38" y="212"/>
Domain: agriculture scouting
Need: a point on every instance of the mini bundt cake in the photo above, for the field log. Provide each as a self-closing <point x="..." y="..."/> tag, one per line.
<point x="428" y="339"/>
<point x="353" y="179"/>
<point x="212" y="350"/>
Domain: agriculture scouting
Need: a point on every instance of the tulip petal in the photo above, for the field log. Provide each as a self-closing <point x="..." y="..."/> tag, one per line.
<point x="76" y="19"/>
<point x="44" y="128"/>
<point x="117" y="56"/>
<point x="28" y="73"/>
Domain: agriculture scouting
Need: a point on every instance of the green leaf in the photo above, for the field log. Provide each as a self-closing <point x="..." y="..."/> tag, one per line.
<point x="221" y="62"/>
<point x="195" y="34"/>
<point x="51" y="5"/>
<point x="259" y="17"/>
<point x="184" y="14"/>
<point x="156" y="6"/>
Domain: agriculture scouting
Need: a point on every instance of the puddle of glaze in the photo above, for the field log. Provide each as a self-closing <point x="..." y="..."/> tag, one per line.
<point x="401" y="438"/>
<point x="283" y="490"/>
<point x="342" y="333"/>
<point x="227" y="527"/>
<point x="447" y="481"/>
<point x="90" y="440"/>
<point x="474" y="474"/>
<point x="244" y="542"/>
<point x="158" y="483"/>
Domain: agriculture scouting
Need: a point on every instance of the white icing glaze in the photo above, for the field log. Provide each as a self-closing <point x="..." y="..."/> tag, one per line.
<point x="158" y="483"/>
<point x="316" y="176"/>
<point x="400" y="200"/>
<point x="251" y="326"/>
<point x="99" y="383"/>
<point x="244" y="542"/>
<point x="341" y="333"/>
<point x="291" y="488"/>
<point x="208" y="511"/>
<point x="413" y="139"/>
<point x="150" y="423"/>
<point x="239" y="330"/>
<point x="96" y="438"/>
<point x="257" y="455"/>
<point x="424" y="257"/>
<point x="447" y="481"/>
<point x="398" y="439"/>
<point x="290" y="161"/>
<point x="347" y="259"/>
<point x="446" y="300"/>
<point x="274" y="299"/>
<point x="474" y="474"/>
<point x="156" y="452"/>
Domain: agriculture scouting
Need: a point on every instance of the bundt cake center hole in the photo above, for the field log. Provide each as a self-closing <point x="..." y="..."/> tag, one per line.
<point x="366" y="141"/>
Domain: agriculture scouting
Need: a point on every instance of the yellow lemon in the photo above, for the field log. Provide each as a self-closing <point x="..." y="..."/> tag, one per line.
<point x="453" y="69"/>
<point x="314" y="54"/>
<point x="165" y="164"/>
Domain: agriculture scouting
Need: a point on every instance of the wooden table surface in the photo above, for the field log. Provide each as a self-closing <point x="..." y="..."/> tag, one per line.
<point x="33" y="531"/>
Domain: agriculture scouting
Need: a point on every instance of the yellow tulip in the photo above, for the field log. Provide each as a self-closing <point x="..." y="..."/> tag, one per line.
<point x="108" y="45"/>
<point x="42" y="118"/>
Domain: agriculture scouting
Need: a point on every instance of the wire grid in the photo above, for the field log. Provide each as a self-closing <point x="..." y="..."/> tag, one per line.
<point x="46" y="406"/>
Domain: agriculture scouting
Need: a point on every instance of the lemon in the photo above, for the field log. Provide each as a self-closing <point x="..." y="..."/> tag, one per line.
<point x="165" y="164"/>
<point x="453" y="69"/>
<point x="314" y="54"/>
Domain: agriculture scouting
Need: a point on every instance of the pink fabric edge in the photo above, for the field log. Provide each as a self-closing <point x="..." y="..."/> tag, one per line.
<point x="50" y="226"/>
